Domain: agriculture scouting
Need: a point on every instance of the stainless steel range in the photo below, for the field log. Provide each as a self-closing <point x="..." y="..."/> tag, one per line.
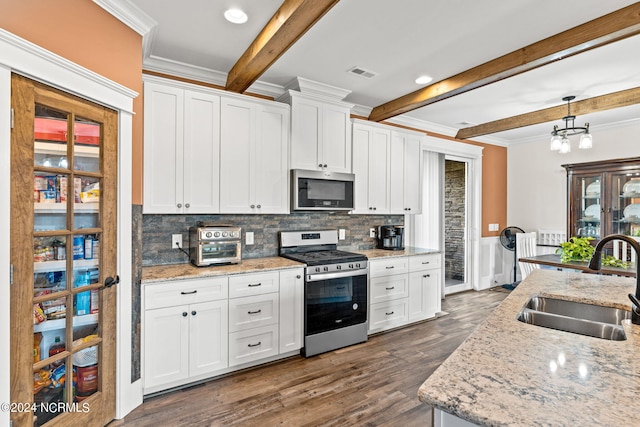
<point x="335" y="290"/>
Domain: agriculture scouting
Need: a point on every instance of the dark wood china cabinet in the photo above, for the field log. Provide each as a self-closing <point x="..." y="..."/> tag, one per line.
<point x="604" y="198"/>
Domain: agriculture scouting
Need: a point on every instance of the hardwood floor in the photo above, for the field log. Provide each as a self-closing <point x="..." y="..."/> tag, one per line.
<point x="369" y="384"/>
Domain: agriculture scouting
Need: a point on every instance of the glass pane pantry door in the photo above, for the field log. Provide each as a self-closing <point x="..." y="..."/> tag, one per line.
<point x="63" y="229"/>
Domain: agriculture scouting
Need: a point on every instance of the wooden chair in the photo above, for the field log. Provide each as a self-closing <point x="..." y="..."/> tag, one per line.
<point x="526" y="247"/>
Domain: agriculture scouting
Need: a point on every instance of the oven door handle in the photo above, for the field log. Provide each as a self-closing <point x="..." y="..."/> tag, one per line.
<point x="329" y="276"/>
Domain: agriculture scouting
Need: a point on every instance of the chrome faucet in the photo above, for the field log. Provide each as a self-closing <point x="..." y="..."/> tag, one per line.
<point x="596" y="263"/>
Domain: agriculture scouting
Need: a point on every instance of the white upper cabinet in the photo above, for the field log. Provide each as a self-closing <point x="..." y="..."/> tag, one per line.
<point x="253" y="157"/>
<point x="320" y="133"/>
<point x="406" y="184"/>
<point x="181" y="150"/>
<point x="371" y="166"/>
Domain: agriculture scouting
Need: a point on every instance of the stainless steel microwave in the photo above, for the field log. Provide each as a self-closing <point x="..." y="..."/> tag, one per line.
<point x="321" y="190"/>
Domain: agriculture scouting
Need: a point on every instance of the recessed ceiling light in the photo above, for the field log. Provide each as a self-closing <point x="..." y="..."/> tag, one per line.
<point x="423" y="79"/>
<point x="236" y="16"/>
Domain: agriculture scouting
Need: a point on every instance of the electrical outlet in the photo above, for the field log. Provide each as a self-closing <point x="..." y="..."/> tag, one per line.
<point x="248" y="238"/>
<point x="372" y="232"/>
<point x="176" y="241"/>
<point x="494" y="227"/>
<point x="341" y="234"/>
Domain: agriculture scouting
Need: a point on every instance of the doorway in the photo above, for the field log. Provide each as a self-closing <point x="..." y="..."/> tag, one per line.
<point x="456" y="214"/>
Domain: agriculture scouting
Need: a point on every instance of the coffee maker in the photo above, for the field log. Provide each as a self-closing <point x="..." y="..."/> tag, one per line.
<point x="391" y="237"/>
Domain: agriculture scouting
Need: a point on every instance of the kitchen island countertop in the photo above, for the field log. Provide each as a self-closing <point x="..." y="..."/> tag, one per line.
<point x="511" y="373"/>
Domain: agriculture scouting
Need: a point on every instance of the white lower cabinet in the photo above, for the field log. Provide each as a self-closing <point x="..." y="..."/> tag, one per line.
<point x="403" y="290"/>
<point x="184" y="339"/>
<point x="199" y="328"/>
<point x="424" y="286"/>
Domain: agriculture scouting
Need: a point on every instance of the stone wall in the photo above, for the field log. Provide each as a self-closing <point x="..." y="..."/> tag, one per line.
<point x="454" y="195"/>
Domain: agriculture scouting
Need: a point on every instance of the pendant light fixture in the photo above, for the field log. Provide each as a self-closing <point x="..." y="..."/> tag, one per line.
<point x="560" y="137"/>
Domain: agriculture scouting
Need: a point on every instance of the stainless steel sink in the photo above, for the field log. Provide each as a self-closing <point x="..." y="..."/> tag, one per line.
<point x="578" y="318"/>
<point x="578" y="310"/>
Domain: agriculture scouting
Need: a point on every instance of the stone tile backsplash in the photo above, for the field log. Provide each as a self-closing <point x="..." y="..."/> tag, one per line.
<point x="157" y="231"/>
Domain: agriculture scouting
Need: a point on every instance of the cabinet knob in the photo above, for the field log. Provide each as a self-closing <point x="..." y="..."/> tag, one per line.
<point x="259" y="206"/>
<point x="324" y="166"/>
<point x="193" y="313"/>
<point x="320" y="165"/>
<point x="298" y="276"/>
<point x="179" y="205"/>
<point x="184" y="314"/>
<point x="427" y="275"/>
<point x="187" y="205"/>
<point x="374" y="208"/>
<point x="253" y="206"/>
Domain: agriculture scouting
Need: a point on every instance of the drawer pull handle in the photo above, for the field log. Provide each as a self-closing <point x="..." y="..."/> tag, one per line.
<point x="189" y="293"/>
<point x="391" y="288"/>
<point x="340" y="287"/>
<point x="253" y="285"/>
<point x="255" y="345"/>
<point x="184" y="314"/>
<point x="426" y="262"/>
<point x="389" y="314"/>
<point x="427" y="275"/>
<point x="254" y="312"/>
<point x="390" y="267"/>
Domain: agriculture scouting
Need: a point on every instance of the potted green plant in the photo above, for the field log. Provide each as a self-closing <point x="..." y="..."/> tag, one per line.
<point x="580" y="249"/>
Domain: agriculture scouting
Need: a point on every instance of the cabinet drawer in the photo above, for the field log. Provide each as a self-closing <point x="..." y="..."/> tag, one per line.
<point x="253" y="344"/>
<point x="425" y="262"/>
<point x="244" y="285"/>
<point x="250" y="312"/>
<point x="387" y="267"/>
<point x="386" y="315"/>
<point x="389" y="288"/>
<point x="170" y="294"/>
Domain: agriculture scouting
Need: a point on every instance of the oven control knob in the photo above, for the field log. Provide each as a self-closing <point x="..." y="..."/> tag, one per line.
<point x="208" y="234"/>
<point x="350" y="265"/>
<point x="326" y="269"/>
<point x="338" y="267"/>
<point x="358" y="265"/>
<point x="224" y="234"/>
<point x="317" y="269"/>
<point x="216" y="234"/>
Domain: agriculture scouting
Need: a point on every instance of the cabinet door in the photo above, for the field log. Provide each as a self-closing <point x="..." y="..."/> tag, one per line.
<point x="587" y="191"/>
<point x="163" y="148"/>
<point x="379" y="172"/>
<point x="335" y="151"/>
<point x="291" y="310"/>
<point x="166" y="345"/>
<point x="237" y="136"/>
<point x="361" y="137"/>
<point x="306" y="134"/>
<point x="270" y="161"/>
<point x="208" y="337"/>
<point x="412" y="178"/>
<point x="201" y="182"/>
<point x="424" y="294"/>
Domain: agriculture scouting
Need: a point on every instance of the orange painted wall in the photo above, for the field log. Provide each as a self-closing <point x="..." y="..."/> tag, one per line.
<point x="84" y="33"/>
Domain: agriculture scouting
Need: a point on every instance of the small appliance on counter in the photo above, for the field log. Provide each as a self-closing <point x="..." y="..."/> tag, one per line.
<point x="213" y="244"/>
<point x="391" y="237"/>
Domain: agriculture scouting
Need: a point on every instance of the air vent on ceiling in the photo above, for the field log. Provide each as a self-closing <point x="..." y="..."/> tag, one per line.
<point x="358" y="71"/>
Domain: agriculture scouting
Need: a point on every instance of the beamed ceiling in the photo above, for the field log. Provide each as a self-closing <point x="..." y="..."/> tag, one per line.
<point x="500" y="68"/>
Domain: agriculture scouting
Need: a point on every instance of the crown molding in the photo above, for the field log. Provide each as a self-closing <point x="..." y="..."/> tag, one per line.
<point x="205" y="75"/>
<point x="313" y="88"/>
<point x="133" y="17"/>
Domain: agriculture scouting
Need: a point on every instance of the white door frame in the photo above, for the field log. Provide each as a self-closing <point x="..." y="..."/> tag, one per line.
<point x="23" y="57"/>
<point x="466" y="285"/>
<point x="433" y="215"/>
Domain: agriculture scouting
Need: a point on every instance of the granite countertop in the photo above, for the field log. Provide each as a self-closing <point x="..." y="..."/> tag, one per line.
<point x="511" y="373"/>
<point x="162" y="273"/>
<point x="384" y="253"/>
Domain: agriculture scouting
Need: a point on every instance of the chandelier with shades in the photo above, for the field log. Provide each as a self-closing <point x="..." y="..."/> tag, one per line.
<point x="560" y="136"/>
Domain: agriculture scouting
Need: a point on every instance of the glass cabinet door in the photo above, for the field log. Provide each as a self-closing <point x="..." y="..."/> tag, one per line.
<point x="588" y="207"/>
<point x="63" y="237"/>
<point x="625" y="203"/>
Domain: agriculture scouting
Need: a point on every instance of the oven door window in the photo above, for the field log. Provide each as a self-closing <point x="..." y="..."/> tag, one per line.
<point x="335" y="303"/>
<point x="218" y="250"/>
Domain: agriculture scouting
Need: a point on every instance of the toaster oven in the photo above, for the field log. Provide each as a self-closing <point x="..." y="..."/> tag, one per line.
<point x="215" y="244"/>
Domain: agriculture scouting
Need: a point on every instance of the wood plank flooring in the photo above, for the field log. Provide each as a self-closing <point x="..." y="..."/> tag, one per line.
<point x="369" y="384"/>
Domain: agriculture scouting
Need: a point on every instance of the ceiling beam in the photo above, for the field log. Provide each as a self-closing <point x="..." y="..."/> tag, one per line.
<point x="620" y="99"/>
<point x="288" y="24"/>
<point x="607" y="29"/>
